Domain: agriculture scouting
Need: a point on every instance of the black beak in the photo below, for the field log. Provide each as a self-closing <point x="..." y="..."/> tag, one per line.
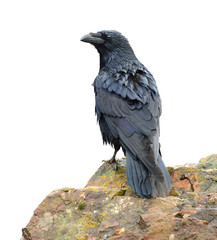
<point x="93" y="38"/>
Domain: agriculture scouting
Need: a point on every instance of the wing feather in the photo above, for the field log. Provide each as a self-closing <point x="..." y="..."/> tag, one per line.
<point x="131" y="107"/>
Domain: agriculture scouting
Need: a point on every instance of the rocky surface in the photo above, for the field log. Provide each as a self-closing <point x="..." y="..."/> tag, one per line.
<point x="108" y="209"/>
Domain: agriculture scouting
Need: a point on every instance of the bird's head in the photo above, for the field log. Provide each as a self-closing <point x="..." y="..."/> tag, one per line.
<point x="110" y="45"/>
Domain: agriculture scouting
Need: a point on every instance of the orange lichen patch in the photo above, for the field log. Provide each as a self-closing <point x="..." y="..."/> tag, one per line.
<point x="189" y="172"/>
<point x="196" y="186"/>
<point x="196" y="177"/>
<point x="182" y="184"/>
<point x="175" y="176"/>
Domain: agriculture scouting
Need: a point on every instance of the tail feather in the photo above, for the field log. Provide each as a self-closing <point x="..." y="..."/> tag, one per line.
<point x="143" y="182"/>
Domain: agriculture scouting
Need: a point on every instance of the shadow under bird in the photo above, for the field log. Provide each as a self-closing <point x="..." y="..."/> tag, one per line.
<point x="128" y="107"/>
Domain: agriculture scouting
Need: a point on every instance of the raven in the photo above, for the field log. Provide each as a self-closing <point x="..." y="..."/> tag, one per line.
<point x="128" y="107"/>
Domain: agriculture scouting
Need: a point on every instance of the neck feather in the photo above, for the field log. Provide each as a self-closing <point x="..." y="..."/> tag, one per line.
<point x="113" y="59"/>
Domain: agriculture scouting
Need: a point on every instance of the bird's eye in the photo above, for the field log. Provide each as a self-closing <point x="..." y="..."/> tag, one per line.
<point x="108" y="37"/>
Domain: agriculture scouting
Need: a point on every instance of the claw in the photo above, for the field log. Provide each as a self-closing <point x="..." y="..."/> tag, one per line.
<point x="113" y="160"/>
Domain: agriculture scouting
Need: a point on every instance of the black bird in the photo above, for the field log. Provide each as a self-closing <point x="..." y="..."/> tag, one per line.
<point x="128" y="107"/>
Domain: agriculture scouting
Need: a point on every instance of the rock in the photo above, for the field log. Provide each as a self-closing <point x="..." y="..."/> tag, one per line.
<point x="107" y="208"/>
<point x="209" y="162"/>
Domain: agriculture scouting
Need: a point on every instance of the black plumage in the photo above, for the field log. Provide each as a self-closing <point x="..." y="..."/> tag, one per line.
<point x="128" y="107"/>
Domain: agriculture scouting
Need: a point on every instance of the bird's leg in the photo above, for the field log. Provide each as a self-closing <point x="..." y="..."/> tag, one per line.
<point x="113" y="161"/>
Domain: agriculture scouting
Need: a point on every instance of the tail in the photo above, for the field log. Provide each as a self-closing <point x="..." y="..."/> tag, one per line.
<point x="143" y="182"/>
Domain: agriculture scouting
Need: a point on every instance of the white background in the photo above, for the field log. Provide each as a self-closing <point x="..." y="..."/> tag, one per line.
<point x="48" y="133"/>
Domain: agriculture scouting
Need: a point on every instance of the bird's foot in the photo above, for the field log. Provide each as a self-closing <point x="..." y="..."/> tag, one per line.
<point x="113" y="162"/>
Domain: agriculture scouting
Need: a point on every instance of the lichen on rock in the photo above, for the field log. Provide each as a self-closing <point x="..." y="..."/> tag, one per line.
<point x="107" y="208"/>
